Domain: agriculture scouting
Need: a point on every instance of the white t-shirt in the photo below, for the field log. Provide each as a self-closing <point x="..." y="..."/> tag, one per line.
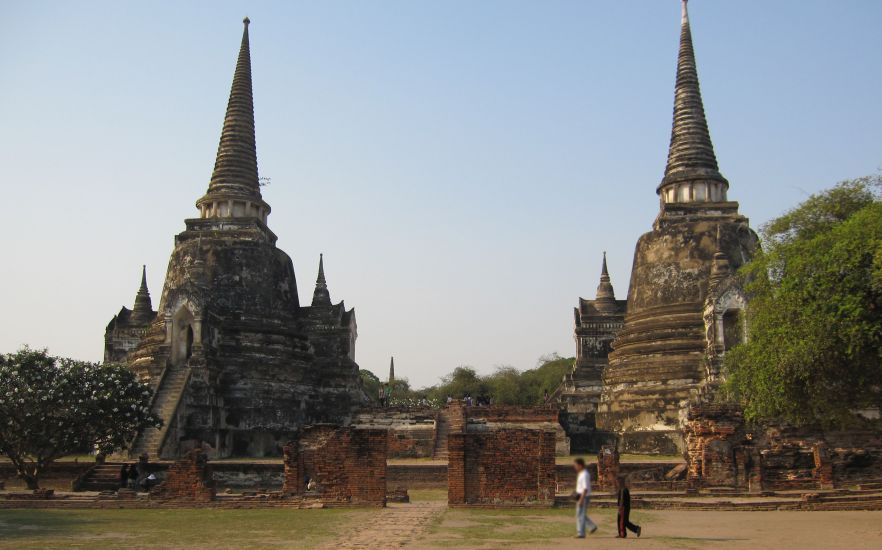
<point x="583" y="482"/>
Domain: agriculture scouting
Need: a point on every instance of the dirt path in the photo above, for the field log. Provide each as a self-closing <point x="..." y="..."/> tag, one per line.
<point x="393" y="527"/>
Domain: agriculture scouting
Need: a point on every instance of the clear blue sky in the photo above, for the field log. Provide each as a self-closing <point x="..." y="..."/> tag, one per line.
<point x="462" y="164"/>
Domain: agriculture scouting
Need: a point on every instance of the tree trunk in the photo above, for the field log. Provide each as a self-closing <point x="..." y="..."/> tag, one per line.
<point x="31" y="481"/>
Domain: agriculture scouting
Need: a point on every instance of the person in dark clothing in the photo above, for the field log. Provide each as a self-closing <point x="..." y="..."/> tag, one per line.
<point x="124" y="476"/>
<point x="624" y="501"/>
<point x="133" y="477"/>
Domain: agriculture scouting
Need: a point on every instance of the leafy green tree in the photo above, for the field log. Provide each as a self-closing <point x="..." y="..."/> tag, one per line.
<point x="506" y="387"/>
<point x="371" y="384"/>
<point x="461" y="382"/>
<point x="814" y="317"/>
<point x="51" y="407"/>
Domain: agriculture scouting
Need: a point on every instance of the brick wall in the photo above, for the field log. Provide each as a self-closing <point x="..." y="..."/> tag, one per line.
<point x="348" y="464"/>
<point x="512" y="414"/>
<point x="501" y="467"/>
<point x="713" y="433"/>
<point x="411" y="431"/>
<point x="188" y="479"/>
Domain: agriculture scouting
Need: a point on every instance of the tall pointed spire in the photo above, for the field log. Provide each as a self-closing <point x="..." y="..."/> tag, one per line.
<point x="235" y="169"/>
<point x="143" y="309"/>
<point x="691" y="157"/>
<point x="392" y="370"/>
<point x="321" y="296"/>
<point x="606" y="296"/>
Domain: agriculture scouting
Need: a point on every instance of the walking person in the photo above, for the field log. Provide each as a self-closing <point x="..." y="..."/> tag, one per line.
<point x="624" y="501"/>
<point x="583" y="497"/>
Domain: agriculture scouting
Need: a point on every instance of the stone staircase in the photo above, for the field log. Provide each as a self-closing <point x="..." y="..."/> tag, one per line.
<point x="165" y="403"/>
<point x="103" y="477"/>
<point x="442" y="430"/>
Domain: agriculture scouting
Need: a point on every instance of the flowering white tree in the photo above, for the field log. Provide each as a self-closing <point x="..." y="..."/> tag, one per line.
<point x="51" y="407"/>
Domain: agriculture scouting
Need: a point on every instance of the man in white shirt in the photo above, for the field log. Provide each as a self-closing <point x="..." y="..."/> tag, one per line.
<point x="583" y="495"/>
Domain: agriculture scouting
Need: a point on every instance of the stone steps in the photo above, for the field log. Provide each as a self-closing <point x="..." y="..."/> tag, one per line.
<point x="442" y="431"/>
<point x="164" y="405"/>
<point x="104" y="477"/>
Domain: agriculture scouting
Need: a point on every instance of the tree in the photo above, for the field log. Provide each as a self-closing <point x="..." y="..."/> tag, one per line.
<point x="461" y="382"/>
<point x="371" y="384"/>
<point x="814" y="317"/>
<point x="51" y="407"/>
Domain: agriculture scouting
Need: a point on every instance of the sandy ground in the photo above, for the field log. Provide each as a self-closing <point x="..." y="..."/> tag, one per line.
<point x="677" y="529"/>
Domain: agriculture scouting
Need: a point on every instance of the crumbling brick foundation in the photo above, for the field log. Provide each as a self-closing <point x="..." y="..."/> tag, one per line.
<point x="607" y="467"/>
<point x="347" y="464"/>
<point x="505" y="467"/>
<point x="188" y="479"/>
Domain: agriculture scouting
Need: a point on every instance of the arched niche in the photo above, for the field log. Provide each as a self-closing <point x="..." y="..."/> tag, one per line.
<point x="184" y="335"/>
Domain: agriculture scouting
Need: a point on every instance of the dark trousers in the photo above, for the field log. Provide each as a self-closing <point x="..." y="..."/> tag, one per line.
<point x="624" y="522"/>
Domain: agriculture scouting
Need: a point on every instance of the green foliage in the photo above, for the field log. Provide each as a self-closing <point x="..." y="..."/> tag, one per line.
<point x="371" y="384"/>
<point x="814" y="319"/>
<point x="51" y="407"/>
<point x="507" y="385"/>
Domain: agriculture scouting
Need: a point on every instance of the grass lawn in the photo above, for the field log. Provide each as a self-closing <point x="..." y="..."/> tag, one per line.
<point x="194" y="528"/>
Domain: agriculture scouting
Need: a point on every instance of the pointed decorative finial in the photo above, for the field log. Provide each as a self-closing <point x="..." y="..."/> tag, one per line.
<point x="142" y="312"/>
<point x="248" y="21"/>
<point x="685" y="19"/>
<point x="321" y="296"/>
<point x="606" y="296"/>
<point x="392" y="370"/>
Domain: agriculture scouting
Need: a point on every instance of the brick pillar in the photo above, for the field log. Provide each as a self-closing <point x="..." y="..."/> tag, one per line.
<point x="365" y="465"/>
<point x="456" y="417"/>
<point x="456" y="468"/>
<point x="823" y="472"/>
<point x="188" y="479"/>
<point x="607" y="467"/>
<point x="293" y="482"/>
<point x="547" y="469"/>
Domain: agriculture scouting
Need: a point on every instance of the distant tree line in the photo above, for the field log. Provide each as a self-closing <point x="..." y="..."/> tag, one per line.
<point x="506" y="385"/>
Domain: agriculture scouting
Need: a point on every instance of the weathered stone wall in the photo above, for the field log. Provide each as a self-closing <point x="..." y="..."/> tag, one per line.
<point x="250" y="378"/>
<point x="479" y="419"/>
<point x="188" y="479"/>
<point x="658" y="363"/>
<point x="412" y="432"/>
<point x="348" y="464"/>
<point x="501" y="467"/>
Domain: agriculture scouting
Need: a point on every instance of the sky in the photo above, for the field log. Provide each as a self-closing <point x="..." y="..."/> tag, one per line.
<point x="462" y="165"/>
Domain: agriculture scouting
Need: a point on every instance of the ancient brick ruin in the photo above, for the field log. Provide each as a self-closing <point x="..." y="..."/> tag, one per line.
<point x="503" y="467"/>
<point x="238" y="365"/>
<point x="608" y="468"/>
<point x="412" y="433"/>
<point x="348" y="465"/>
<point x="188" y="480"/>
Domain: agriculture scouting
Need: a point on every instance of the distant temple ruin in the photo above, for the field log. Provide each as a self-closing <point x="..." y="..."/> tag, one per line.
<point x="663" y="349"/>
<point x="238" y="365"/>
